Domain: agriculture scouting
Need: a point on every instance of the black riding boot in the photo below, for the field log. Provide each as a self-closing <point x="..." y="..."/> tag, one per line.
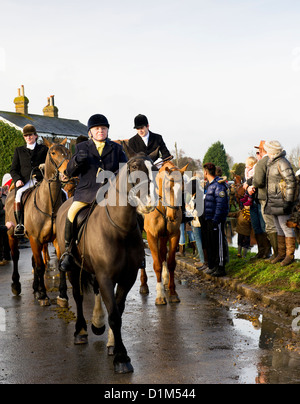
<point x="67" y="258"/>
<point x="19" y="229"/>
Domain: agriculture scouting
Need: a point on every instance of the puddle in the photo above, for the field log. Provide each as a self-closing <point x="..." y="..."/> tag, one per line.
<point x="268" y="358"/>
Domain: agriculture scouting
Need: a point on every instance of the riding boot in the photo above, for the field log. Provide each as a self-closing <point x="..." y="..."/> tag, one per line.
<point x="261" y="247"/>
<point x="281" y="250"/>
<point x="290" y="243"/>
<point x="67" y="258"/>
<point x="274" y="244"/>
<point x="19" y="229"/>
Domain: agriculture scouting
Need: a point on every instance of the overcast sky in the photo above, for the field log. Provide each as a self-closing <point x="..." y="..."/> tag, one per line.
<point x="202" y="71"/>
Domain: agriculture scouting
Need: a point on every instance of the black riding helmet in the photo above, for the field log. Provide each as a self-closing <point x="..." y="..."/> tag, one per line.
<point x="97" y="120"/>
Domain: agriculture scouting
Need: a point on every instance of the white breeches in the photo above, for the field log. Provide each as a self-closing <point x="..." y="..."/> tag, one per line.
<point x="20" y="191"/>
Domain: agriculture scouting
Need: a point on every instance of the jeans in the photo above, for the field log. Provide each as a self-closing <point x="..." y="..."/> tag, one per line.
<point x="182" y="235"/>
<point x="257" y="220"/>
<point x="198" y="238"/>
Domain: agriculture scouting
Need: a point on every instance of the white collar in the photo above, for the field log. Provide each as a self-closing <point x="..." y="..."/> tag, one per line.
<point x="146" y="139"/>
<point x="31" y="146"/>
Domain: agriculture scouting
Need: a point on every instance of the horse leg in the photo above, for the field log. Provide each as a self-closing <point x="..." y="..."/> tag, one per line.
<point x="80" y="335"/>
<point x="62" y="300"/>
<point x="144" y="289"/>
<point x="46" y="256"/>
<point x="98" y="319"/>
<point x="39" y="272"/>
<point x="157" y="266"/>
<point x="173" y="243"/>
<point x="121" y="361"/>
<point x="15" y="255"/>
<point x="163" y="256"/>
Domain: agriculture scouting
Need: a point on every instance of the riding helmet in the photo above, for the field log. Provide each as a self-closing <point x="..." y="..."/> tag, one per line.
<point x="97" y="120"/>
<point x="140" y="121"/>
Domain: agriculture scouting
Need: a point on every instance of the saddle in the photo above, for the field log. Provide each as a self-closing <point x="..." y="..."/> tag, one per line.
<point x="81" y="219"/>
<point x="25" y="196"/>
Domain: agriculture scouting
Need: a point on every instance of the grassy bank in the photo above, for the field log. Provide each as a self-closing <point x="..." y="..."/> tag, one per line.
<point x="263" y="274"/>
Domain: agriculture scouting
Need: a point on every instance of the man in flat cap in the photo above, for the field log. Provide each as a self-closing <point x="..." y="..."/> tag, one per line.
<point x="24" y="166"/>
<point x="147" y="141"/>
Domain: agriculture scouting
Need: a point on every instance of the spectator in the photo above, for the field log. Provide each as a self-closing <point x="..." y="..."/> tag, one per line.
<point x="216" y="208"/>
<point x="259" y="184"/>
<point x="281" y="189"/>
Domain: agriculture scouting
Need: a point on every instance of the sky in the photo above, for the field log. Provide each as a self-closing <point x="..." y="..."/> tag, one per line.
<point x="202" y="71"/>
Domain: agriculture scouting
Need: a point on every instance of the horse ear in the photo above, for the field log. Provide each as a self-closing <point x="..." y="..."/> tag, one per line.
<point x="154" y="155"/>
<point x="47" y="142"/>
<point x="130" y="153"/>
<point x="63" y="143"/>
<point x="182" y="170"/>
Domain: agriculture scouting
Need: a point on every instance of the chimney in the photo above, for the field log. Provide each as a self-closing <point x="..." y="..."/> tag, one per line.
<point x="21" y="102"/>
<point x="50" y="109"/>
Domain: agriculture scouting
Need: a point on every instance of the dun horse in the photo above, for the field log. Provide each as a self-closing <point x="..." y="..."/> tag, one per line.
<point x="39" y="218"/>
<point x="163" y="226"/>
<point x="111" y="248"/>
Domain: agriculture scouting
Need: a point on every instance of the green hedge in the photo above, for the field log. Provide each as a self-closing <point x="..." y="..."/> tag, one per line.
<point x="10" y="138"/>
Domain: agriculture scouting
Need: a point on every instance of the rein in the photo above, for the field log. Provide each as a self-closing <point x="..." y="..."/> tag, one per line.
<point x="115" y="225"/>
<point x="54" y="178"/>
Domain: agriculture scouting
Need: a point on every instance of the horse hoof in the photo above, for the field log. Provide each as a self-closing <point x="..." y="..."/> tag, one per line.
<point x="160" y="301"/>
<point x="98" y="331"/>
<point x="110" y="350"/>
<point x="81" y="339"/>
<point x="174" y="299"/>
<point x="144" y="290"/>
<point x="44" y="302"/>
<point x="16" y="289"/>
<point x="62" y="302"/>
<point x="123" y="368"/>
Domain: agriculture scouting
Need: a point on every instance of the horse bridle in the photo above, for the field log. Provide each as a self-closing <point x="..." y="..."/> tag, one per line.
<point x="49" y="181"/>
<point x="145" y="158"/>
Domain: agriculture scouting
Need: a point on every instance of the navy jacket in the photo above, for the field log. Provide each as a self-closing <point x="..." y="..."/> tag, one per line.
<point x="216" y="204"/>
<point x="87" y="170"/>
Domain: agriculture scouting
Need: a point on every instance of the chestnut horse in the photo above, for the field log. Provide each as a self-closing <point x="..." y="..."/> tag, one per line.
<point x="39" y="218"/>
<point x="111" y="250"/>
<point x="163" y="226"/>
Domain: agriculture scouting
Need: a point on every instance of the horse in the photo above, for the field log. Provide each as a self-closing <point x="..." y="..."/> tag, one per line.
<point x="111" y="250"/>
<point x="163" y="226"/>
<point x="236" y="192"/>
<point x="39" y="218"/>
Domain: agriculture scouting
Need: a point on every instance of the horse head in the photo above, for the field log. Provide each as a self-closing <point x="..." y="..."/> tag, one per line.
<point x="141" y="183"/>
<point x="170" y="187"/>
<point x="57" y="159"/>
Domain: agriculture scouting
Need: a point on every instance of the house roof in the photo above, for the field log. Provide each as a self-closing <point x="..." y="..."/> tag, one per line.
<point x="46" y="125"/>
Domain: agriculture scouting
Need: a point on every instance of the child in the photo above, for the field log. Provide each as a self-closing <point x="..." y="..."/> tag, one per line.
<point x="249" y="173"/>
<point x="243" y="229"/>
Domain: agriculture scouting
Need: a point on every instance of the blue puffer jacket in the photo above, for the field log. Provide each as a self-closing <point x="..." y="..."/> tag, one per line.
<point x="216" y="203"/>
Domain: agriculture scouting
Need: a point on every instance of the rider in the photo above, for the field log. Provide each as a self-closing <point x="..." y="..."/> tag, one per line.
<point x="25" y="172"/>
<point x="147" y="141"/>
<point x="96" y="154"/>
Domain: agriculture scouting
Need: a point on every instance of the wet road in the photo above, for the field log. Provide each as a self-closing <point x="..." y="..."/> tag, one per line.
<point x="196" y="341"/>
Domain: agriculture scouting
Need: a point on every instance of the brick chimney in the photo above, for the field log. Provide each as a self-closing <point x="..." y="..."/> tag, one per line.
<point x="50" y="109"/>
<point x="21" y="102"/>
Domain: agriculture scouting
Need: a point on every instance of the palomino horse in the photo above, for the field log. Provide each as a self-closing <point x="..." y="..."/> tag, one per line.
<point x="39" y="218"/>
<point x="111" y="249"/>
<point x="163" y="226"/>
